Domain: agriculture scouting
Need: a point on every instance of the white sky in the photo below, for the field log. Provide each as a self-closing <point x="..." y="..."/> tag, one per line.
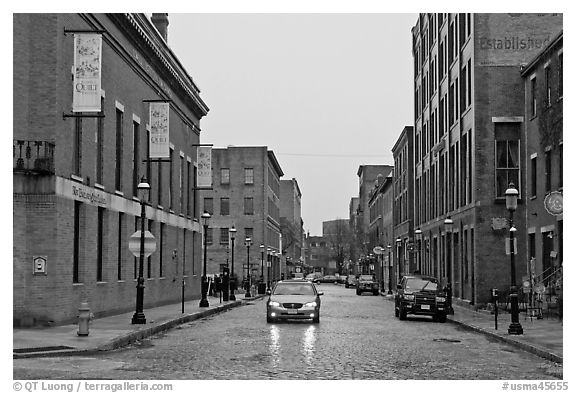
<point x="326" y="92"/>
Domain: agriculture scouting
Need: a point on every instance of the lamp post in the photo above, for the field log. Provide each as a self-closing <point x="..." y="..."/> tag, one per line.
<point x="448" y="223"/>
<point x="398" y="245"/>
<point x="139" y="317"/>
<point x="418" y="234"/>
<point x="232" y="279"/>
<point x="511" y="204"/>
<point x="248" y="243"/>
<point x="204" y="287"/>
<point x="389" y="247"/>
<point x="268" y="263"/>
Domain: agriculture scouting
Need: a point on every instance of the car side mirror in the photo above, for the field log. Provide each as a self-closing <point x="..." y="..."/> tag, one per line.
<point x="320" y="293"/>
<point x="398" y="286"/>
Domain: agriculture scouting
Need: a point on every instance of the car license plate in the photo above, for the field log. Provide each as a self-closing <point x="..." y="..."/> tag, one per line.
<point x="292" y="311"/>
<point x="425" y="307"/>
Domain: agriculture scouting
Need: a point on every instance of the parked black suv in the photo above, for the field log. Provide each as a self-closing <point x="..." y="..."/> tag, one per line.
<point x="367" y="283"/>
<point x="420" y="295"/>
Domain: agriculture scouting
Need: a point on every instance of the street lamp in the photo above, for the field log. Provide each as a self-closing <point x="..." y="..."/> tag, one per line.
<point x="248" y="243"/>
<point x="398" y="245"/>
<point x="232" y="279"/>
<point x="389" y="247"/>
<point x="448" y="223"/>
<point x="418" y="233"/>
<point x="204" y="287"/>
<point x="268" y="263"/>
<point x="511" y="204"/>
<point x="143" y="191"/>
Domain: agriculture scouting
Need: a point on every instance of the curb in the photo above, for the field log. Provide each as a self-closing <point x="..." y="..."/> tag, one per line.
<point x="134" y="336"/>
<point x="508" y="340"/>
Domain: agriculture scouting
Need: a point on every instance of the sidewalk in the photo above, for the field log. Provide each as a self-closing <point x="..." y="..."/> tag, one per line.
<point x="115" y="331"/>
<point x="543" y="337"/>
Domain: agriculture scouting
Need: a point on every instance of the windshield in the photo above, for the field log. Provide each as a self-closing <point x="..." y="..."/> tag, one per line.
<point x="293" y="289"/>
<point x="417" y="284"/>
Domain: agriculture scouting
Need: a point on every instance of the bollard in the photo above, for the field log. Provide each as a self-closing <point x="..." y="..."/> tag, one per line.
<point x="83" y="319"/>
<point x="495" y="300"/>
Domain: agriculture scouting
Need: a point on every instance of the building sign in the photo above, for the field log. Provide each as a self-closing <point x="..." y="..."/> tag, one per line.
<point x="553" y="203"/>
<point x="89" y="195"/>
<point x="159" y="131"/>
<point x="204" y="161"/>
<point x="499" y="223"/>
<point x="87" y="72"/>
<point x="39" y="265"/>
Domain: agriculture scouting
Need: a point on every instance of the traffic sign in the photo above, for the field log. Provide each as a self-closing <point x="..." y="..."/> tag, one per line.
<point x="378" y="250"/>
<point x="149" y="243"/>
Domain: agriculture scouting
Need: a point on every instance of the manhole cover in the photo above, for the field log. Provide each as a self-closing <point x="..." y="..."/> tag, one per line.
<point x="42" y="349"/>
<point x="446" y="340"/>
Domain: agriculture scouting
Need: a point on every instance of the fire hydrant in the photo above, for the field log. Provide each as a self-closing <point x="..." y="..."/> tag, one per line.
<point x="83" y="319"/>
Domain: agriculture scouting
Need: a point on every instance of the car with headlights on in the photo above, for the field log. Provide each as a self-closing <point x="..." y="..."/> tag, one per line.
<point x="420" y="295"/>
<point x="293" y="299"/>
<point x="367" y="283"/>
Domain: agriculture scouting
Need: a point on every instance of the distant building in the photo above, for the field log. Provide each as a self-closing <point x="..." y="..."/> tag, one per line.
<point x="291" y="225"/>
<point x="75" y="196"/>
<point x="319" y="256"/>
<point x="381" y="229"/>
<point x="469" y="144"/>
<point x="353" y="222"/>
<point x="543" y="128"/>
<point x="246" y="195"/>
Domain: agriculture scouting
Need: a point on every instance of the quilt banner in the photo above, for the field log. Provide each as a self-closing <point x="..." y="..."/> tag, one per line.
<point x="204" y="161"/>
<point x="87" y="72"/>
<point x="159" y="131"/>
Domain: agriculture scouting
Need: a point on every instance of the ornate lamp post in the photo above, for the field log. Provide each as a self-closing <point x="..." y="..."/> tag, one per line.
<point x="511" y="204"/>
<point x="268" y="264"/>
<point x="448" y="223"/>
<point x="418" y="234"/>
<point x="248" y="243"/>
<point x="398" y="245"/>
<point x="389" y="247"/>
<point x="232" y="280"/>
<point x="204" y="287"/>
<point x="143" y="191"/>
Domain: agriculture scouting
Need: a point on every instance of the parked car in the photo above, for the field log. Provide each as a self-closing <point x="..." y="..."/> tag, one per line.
<point x="350" y="281"/>
<point x="326" y="279"/>
<point x="420" y="295"/>
<point x="367" y="283"/>
<point x="293" y="299"/>
<point x="342" y="279"/>
<point x="313" y="276"/>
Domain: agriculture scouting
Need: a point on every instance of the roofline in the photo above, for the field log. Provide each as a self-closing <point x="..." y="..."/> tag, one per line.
<point x="528" y="67"/>
<point x="404" y="132"/>
<point x="275" y="163"/>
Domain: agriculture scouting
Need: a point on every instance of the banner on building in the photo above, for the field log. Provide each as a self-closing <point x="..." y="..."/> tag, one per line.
<point x="159" y="131"/>
<point x="204" y="161"/>
<point x="87" y="72"/>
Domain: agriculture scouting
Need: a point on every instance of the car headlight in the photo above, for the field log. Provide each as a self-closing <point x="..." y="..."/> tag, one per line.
<point x="274" y="304"/>
<point x="440" y="299"/>
<point x="408" y="297"/>
<point x="311" y="304"/>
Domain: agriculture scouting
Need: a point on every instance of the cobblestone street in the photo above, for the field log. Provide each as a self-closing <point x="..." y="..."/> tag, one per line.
<point x="358" y="337"/>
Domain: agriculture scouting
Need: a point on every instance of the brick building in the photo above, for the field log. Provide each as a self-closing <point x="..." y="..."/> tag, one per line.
<point x="403" y="204"/>
<point x="469" y="116"/>
<point x="292" y="225"/>
<point x="74" y="184"/>
<point x="543" y="130"/>
<point x="246" y="195"/>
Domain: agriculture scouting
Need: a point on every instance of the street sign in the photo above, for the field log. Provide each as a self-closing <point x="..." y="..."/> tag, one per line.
<point x="553" y="203"/>
<point x="508" y="246"/>
<point x="378" y="250"/>
<point x="149" y="243"/>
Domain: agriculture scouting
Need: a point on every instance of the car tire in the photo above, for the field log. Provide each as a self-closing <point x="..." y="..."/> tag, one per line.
<point x="375" y="293"/>
<point x="402" y="314"/>
<point x="396" y="313"/>
<point x="441" y="318"/>
<point x="358" y="292"/>
<point x="346" y="285"/>
<point x="316" y="319"/>
<point x="269" y="319"/>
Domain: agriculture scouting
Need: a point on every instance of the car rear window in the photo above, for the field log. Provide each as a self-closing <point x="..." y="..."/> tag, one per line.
<point x="365" y="278"/>
<point x="293" y="289"/>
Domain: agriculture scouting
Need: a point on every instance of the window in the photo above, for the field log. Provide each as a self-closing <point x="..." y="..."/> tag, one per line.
<point x="249" y="206"/>
<point x="182" y="188"/>
<point x="136" y="228"/>
<point x="135" y="158"/>
<point x="248" y="175"/>
<point x="223" y="235"/>
<point x="160" y="188"/>
<point x="77" y="146"/>
<point x="100" y="145"/>
<point x="99" y="244"/>
<point x="533" y="97"/>
<point x="560" y="165"/>
<point x="225" y="176"/>
<point x="507" y="165"/>
<point x="189" y="188"/>
<point x="548" y="169"/>
<point x="120" y="243"/>
<point x="148" y="163"/>
<point x="534" y="176"/>
<point x="171" y="180"/>
<point x="161" y="251"/>
<point x="469" y="83"/>
<point x="119" y="148"/>
<point x="149" y="260"/>
<point x="76" y="256"/>
<point x="224" y="206"/>
<point x="548" y="98"/>
<point x="209" y="237"/>
<point x="209" y="205"/>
